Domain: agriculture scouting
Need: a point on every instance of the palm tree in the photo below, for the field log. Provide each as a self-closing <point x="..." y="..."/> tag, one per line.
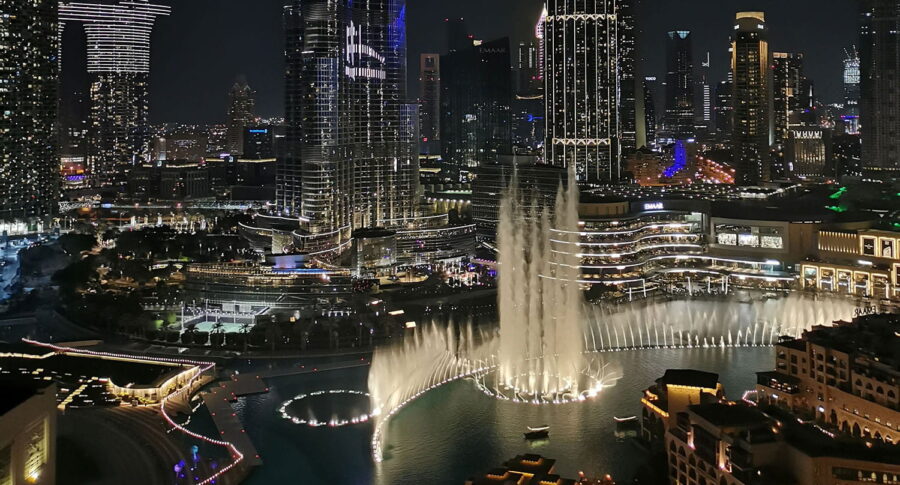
<point x="245" y="329"/>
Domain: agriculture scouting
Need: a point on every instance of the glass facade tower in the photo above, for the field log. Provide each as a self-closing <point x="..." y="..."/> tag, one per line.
<point x="350" y="159"/>
<point x="581" y="88"/>
<point x="751" y="97"/>
<point x="29" y="155"/>
<point x="118" y="63"/>
<point x="679" y="119"/>
<point x="879" y="56"/>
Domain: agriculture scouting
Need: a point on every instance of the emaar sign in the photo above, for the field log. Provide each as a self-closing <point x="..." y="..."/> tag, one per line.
<point x="653" y="206"/>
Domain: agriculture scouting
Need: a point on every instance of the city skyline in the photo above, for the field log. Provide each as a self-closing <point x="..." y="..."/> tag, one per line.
<point x="462" y="230"/>
<point x="194" y="64"/>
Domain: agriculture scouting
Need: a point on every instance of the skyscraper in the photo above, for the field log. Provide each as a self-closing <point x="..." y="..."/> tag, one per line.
<point x="241" y="104"/>
<point x="29" y="154"/>
<point x="851" y="92"/>
<point x="430" y="107"/>
<point x="788" y="85"/>
<point x="880" y="85"/>
<point x="630" y="127"/>
<point x="650" y="86"/>
<point x="580" y="88"/>
<point x="118" y="64"/>
<point x="539" y="35"/>
<point x="476" y="92"/>
<point x="458" y="37"/>
<point x="679" y="119"/>
<point x="724" y="110"/>
<point x="704" y="109"/>
<point x="751" y="98"/>
<point x="527" y="73"/>
<point x="350" y="142"/>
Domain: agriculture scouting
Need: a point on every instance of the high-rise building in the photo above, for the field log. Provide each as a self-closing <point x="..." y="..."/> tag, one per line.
<point x="847" y="155"/>
<point x="679" y="119"/>
<point x="651" y="85"/>
<point x="29" y="74"/>
<point x="879" y="56"/>
<point x="630" y="126"/>
<point x="430" y="104"/>
<point x="476" y="92"/>
<point x="580" y="88"/>
<point x="788" y="85"/>
<point x="851" y="92"/>
<point x="527" y="74"/>
<point x="259" y="142"/>
<point x="539" y="35"/>
<point x="724" y="109"/>
<point x="241" y="105"/>
<point x="350" y="154"/>
<point x="808" y="152"/>
<point x="118" y="64"/>
<point x="704" y="109"/>
<point x="751" y="98"/>
<point x="458" y="37"/>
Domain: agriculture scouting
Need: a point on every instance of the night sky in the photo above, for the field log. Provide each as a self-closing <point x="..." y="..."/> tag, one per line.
<point x="205" y="44"/>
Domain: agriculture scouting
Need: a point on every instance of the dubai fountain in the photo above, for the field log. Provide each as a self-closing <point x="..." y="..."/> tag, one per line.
<point x="537" y="354"/>
<point x="540" y="354"/>
<point x="548" y="346"/>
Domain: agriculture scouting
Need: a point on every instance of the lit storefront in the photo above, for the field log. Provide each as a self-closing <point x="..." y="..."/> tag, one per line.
<point x="859" y="263"/>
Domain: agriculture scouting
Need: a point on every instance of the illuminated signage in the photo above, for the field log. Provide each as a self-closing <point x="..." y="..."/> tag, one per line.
<point x="653" y="206"/>
<point x="808" y="135"/>
<point x="356" y="51"/>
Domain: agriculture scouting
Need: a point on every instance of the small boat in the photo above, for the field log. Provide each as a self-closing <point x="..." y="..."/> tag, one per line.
<point x="627" y="427"/>
<point x="537" y="432"/>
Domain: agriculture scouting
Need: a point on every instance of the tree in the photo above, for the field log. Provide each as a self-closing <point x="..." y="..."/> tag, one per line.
<point x="74" y="244"/>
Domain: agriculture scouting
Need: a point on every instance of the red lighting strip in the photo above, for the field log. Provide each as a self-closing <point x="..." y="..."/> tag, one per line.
<point x="204" y="366"/>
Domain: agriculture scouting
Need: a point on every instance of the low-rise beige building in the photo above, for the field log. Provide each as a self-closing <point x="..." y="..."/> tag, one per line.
<point x="846" y="377"/>
<point x="672" y="394"/>
<point x="737" y="444"/>
<point x="27" y="433"/>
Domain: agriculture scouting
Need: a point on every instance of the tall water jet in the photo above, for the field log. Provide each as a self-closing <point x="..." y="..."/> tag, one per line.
<point x="541" y="339"/>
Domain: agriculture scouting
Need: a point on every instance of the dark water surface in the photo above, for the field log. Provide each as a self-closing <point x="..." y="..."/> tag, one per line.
<point x="456" y="431"/>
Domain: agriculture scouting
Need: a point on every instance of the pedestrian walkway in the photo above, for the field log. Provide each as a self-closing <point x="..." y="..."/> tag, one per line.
<point x="218" y="402"/>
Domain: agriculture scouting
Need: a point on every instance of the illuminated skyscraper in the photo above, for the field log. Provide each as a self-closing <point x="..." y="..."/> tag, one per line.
<point x="581" y="88"/>
<point x="118" y="63"/>
<point x="539" y="35"/>
<point x="527" y="70"/>
<point x="240" y="115"/>
<point x="679" y="119"/>
<point x="788" y="85"/>
<point x="724" y="109"/>
<point x="631" y="127"/>
<point x="29" y="155"/>
<point x="430" y="99"/>
<point x="751" y="97"/>
<point x="649" y="87"/>
<point x="704" y="109"/>
<point x="851" y="92"/>
<point x="879" y="55"/>
<point x="350" y="144"/>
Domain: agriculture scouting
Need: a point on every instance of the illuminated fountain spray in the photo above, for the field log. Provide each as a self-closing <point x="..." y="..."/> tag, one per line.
<point x="433" y="356"/>
<point x="540" y="352"/>
<point x="712" y="323"/>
